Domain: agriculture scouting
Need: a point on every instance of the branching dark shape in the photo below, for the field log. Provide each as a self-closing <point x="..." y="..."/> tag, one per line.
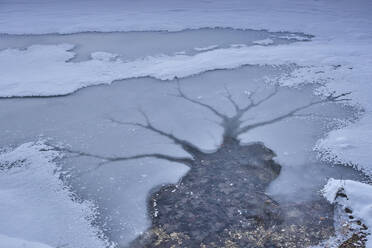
<point x="187" y="146"/>
<point x="293" y="113"/>
<point x="232" y="125"/>
<point x="338" y="98"/>
<point x="194" y="101"/>
<point x="110" y="159"/>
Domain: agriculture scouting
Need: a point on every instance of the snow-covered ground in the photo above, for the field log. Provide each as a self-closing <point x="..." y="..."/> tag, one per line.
<point x="24" y="71"/>
<point x="356" y="196"/>
<point x="36" y="208"/>
<point x="339" y="56"/>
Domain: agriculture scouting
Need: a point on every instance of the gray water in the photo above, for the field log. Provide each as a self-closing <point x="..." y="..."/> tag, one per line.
<point x="119" y="190"/>
<point x="131" y="45"/>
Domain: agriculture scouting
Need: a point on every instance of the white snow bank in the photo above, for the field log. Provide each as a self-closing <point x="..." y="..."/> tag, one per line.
<point x="45" y="69"/>
<point x="351" y="145"/>
<point x="359" y="199"/>
<point x="37" y="207"/>
<point x="9" y="242"/>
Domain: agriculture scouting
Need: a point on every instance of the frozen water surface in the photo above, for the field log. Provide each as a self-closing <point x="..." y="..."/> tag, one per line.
<point x="84" y="122"/>
<point x="131" y="45"/>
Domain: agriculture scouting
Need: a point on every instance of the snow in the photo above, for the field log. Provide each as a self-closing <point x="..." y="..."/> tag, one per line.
<point x="338" y="56"/>
<point x="201" y="49"/>
<point x="330" y="46"/>
<point x="136" y="44"/>
<point x="359" y="199"/>
<point x="23" y="74"/>
<point x="37" y="209"/>
<point x="264" y="42"/>
<point x="120" y="190"/>
<point x="294" y="37"/>
<point x="23" y="71"/>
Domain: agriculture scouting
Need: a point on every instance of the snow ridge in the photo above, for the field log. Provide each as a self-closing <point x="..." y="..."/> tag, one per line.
<point x="355" y="196"/>
<point x="37" y="209"/>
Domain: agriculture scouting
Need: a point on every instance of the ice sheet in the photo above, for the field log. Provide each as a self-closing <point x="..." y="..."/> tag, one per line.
<point x="339" y="55"/>
<point x="329" y="21"/>
<point x="82" y="121"/>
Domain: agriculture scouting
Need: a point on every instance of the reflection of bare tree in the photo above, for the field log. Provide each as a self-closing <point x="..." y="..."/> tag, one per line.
<point x="222" y="199"/>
